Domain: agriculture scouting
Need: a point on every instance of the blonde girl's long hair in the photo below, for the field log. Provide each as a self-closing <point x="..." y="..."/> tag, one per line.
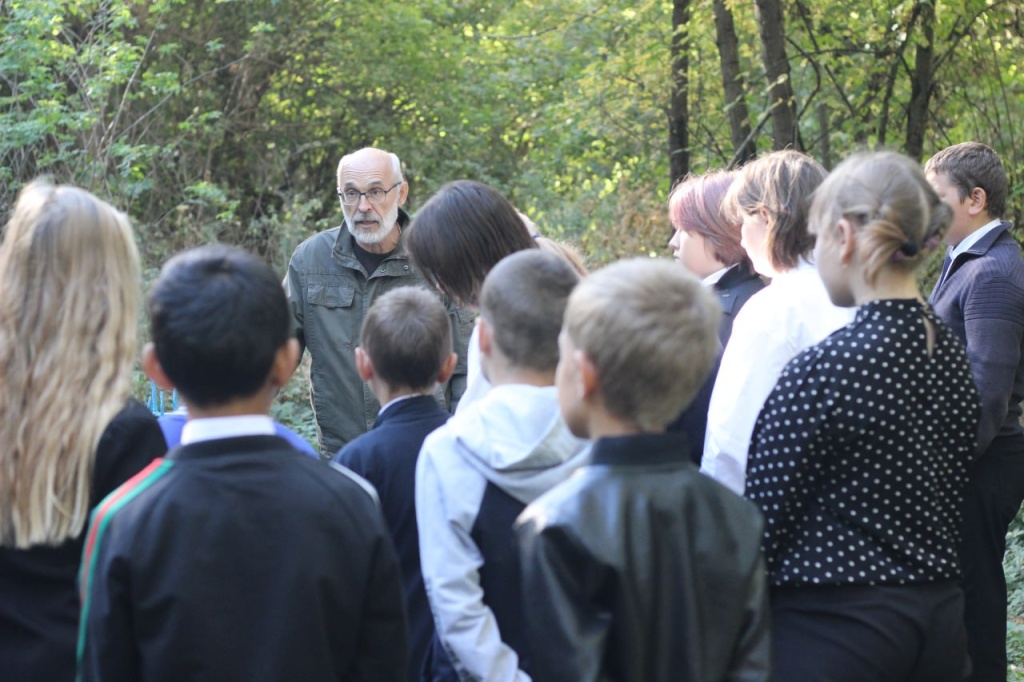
<point x="69" y="302"/>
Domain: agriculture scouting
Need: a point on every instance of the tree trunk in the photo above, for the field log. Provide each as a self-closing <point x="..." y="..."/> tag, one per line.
<point x="923" y="84"/>
<point x="734" y="84"/>
<point x="678" y="130"/>
<point x="823" y="127"/>
<point x="772" y="27"/>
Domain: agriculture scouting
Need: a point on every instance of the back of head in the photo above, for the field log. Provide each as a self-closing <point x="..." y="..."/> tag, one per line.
<point x="973" y="164"/>
<point x="69" y="295"/>
<point x="696" y="205"/>
<point x="884" y="195"/>
<point x="461" y="233"/>
<point x="523" y="300"/>
<point x="408" y="336"/>
<point x="651" y="331"/>
<point x="218" y="317"/>
<point x="781" y="183"/>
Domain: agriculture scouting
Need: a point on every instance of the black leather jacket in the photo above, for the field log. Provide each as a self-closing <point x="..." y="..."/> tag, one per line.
<point x="641" y="569"/>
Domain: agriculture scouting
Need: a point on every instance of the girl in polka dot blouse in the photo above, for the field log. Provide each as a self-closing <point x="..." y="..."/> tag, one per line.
<point x="859" y="455"/>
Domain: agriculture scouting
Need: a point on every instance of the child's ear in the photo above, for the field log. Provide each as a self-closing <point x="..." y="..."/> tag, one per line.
<point x="589" y="383"/>
<point x="847" y="240"/>
<point x="151" y="366"/>
<point x="979" y="201"/>
<point x="484" y="337"/>
<point x="448" y="368"/>
<point x="285" y="362"/>
<point x="364" y="364"/>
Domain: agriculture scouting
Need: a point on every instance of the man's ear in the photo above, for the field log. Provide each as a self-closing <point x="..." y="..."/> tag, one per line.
<point x="978" y="199"/>
<point x="151" y="366"/>
<point x="448" y="368"/>
<point x="285" y="361"/>
<point x="364" y="364"/>
<point x="403" y="193"/>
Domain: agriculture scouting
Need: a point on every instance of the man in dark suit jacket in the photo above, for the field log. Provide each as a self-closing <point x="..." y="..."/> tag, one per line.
<point x="980" y="294"/>
<point x="405" y="349"/>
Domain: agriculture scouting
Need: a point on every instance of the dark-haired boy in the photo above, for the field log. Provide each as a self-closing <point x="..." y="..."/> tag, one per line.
<point x="980" y="294"/>
<point x="477" y="473"/>
<point x="405" y="350"/>
<point x="235" y="557"/>
<point x="639" y="567"/>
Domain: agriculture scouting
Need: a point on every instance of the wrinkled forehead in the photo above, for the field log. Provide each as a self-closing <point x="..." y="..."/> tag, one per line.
<point x="365" y="171"/>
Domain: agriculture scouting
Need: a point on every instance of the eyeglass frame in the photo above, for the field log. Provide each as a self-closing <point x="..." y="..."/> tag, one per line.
<point x="360" y="195"/>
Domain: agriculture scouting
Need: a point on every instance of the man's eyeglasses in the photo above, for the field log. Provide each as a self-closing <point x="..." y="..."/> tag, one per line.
<point x="351" y="197"/>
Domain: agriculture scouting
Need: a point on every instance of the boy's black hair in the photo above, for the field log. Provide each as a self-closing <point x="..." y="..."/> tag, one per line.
<point x="408" y="336"/>
<point x="218" y="316"/>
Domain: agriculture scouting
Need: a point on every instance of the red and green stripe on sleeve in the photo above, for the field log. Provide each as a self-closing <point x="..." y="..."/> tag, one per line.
<point x="98" y="525"/>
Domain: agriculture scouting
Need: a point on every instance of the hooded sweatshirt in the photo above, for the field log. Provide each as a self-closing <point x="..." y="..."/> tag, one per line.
<point x="474" y="476"/>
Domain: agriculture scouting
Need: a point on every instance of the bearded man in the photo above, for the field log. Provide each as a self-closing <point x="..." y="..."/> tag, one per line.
<point x="333" y="279"/>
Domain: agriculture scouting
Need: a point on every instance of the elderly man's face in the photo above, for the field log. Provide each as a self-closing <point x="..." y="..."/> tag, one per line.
<point x="371" y="223"/>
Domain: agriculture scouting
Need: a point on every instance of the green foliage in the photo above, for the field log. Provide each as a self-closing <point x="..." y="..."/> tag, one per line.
<point x="1013" y="568"/>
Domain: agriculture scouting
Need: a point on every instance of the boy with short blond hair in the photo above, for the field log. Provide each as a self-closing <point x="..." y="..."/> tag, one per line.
<point x="405" y="351"/>
<point x="639" y="567"/>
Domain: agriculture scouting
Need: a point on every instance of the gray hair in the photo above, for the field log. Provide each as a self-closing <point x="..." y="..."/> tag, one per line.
<point x="396" y="164"/>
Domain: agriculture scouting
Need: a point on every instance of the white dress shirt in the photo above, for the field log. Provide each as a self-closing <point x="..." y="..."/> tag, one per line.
<point x="786" y="317"/>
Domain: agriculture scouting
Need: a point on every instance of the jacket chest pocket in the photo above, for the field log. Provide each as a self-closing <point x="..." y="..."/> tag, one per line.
<point x="330" y="296"/>
<point x="332" y="320"/>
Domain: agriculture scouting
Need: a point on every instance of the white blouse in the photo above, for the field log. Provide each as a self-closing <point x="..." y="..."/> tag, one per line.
<point x="789" y="315"/>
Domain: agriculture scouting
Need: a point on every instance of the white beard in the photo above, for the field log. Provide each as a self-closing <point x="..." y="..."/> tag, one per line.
<point x="372" y="235"/>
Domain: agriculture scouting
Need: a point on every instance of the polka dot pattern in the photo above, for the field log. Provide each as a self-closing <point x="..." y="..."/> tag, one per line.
<point x="859" y="456"/>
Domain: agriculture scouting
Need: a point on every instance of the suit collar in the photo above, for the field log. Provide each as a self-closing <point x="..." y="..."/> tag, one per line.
<point x="403" y="410"/>
<point x="981" y="247"/>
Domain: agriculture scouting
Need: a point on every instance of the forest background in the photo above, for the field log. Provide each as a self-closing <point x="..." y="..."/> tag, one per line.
<point x="223" y="120"/>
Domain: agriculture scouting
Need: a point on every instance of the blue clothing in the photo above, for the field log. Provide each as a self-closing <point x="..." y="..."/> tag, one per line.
<point x="386" y="457"/>
<point x="732" y="291"/>
<point x="981" y="297"/>
<point x="173" y="422"/>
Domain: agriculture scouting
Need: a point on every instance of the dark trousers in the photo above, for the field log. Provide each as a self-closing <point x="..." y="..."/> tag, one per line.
<point x="860" y="633"/>
<point x="994" y="493"/>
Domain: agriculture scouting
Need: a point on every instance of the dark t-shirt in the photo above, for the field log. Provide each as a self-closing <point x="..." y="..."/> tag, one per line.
<point x="39" y="602"/>
<point x="368" y="260"/>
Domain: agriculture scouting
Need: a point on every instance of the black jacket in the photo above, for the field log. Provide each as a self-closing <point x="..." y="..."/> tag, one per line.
<point x="641" y="568"/>
<point x="733" y="290"/>
<point x="241" y="559"/>
<point x="39" y="605"/>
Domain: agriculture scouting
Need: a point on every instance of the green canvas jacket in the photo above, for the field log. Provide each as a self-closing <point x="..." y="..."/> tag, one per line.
<point x="329" y="293"/>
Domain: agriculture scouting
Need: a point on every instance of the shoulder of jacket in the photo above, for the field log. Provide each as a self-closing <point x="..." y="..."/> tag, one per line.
<point x="317" y="244"/>
<point x="358" y="480"/>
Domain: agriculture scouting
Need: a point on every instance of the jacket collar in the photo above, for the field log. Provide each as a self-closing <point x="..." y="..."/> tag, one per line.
<point x="409" y="408"/>
<point x="981" y="247"/>
<point x="227" y="447"/>
<point x="741" y="273"/>
<point x="642" y="449"/>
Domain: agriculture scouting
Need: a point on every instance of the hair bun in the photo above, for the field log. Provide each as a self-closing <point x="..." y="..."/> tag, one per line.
<point x="909" y="248"/>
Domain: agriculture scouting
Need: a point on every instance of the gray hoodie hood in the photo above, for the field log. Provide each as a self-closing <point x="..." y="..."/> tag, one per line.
<point x="515" y="437"/>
